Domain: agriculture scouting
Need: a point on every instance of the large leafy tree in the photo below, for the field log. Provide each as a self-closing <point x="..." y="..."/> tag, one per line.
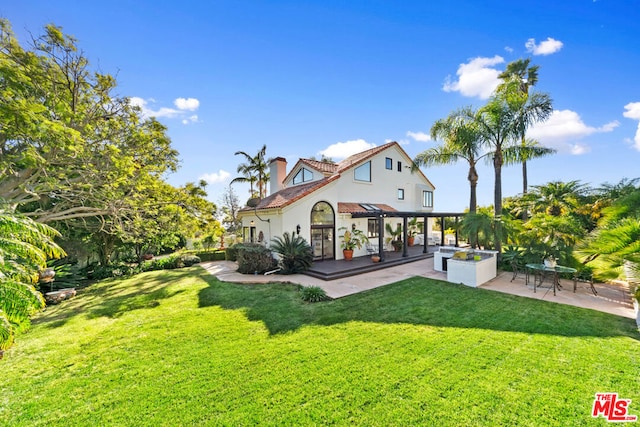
<point x="461" y="142"/>
<point x="69" y="147"/>
<point x="25" y="246"/>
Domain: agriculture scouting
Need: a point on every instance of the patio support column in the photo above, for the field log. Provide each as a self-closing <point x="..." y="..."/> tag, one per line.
<point x="457" y="230"/>
<point x="381" y="236"/>
<point x="404" y="237"/>
<point x="442" y="231"/>
<point x="425" y="238"/>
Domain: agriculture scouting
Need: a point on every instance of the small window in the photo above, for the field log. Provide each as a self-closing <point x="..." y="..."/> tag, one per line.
<point x="363" y="173"/>
<point x="399" y="166"/>
<point x="303" y="175"/>
<point x="372" y="228"/>
<point x="400" y="193"/>
<point x="427" y="199"/>
<point x="388" y="163"/>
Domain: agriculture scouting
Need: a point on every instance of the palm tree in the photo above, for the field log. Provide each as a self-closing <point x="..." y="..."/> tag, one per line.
<point x="254" y="171"/>
<point x="517" y="78"/>
<point x="556" y="198"/>
<point x="616" y="241"/>
<point x="461" y="142"/>
<point x="247" y="176"/>
<point x="501" y="122"/>
<point x="25" y="246"/>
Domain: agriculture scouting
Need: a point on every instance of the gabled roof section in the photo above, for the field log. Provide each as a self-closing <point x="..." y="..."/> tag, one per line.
<point x="361" y="157"/>
<point x="350" y="207"/>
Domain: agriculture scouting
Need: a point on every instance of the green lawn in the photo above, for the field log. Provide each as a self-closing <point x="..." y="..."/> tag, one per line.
<point x="181" y="348"/>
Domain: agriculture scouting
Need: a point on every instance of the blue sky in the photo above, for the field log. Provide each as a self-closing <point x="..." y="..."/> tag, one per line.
<point x="334" y="77"/>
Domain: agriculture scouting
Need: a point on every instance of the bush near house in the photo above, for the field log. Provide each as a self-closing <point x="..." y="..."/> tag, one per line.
<point x="253" y="258"/>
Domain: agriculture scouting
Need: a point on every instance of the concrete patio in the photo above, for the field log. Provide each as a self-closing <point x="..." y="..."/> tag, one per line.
<point x="611" y="298"/>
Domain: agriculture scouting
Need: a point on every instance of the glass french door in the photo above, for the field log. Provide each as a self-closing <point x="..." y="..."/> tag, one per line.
<point x="322" y="243"/>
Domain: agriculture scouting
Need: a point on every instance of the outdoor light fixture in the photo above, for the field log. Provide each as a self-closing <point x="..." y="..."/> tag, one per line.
<point x="252" y="223"/>
<point x="298" y="229"/>
<point x="353" y="226"/>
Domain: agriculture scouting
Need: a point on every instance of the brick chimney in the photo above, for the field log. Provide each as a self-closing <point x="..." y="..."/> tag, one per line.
<point x="277" y="172"/>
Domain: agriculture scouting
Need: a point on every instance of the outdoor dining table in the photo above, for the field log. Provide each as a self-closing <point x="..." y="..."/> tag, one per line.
<point x="541" y="269"/>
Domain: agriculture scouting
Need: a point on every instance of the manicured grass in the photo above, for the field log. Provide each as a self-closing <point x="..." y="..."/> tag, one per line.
<point x="181" y="348"/>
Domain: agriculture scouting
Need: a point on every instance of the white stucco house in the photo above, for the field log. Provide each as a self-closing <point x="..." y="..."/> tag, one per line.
<point x="315" y="199"/>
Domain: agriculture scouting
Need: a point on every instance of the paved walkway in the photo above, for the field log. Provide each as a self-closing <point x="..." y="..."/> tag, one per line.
<point x="614" y="299"/>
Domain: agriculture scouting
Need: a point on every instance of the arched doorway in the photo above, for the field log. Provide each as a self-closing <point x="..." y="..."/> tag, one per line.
<point x="322" y="231"/>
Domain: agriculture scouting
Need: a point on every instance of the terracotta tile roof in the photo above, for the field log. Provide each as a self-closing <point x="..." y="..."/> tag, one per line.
<point x="321" y="166"/>
<point x="288" y="195"/>
<point x="349" y="207"/>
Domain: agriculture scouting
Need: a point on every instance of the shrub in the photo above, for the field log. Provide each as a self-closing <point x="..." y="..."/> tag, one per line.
<point x="295" y="253"/>
<point x="189" y="260"/>
<point x="232" y="252"/>
<point x="313" y="294"/>
<point x="100" y="272"/>
<point x="255" y="258"/>
<point x="211" y="255"/>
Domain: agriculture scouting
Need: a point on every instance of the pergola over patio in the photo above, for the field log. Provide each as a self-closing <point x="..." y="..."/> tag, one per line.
<point x="381" y="215"/>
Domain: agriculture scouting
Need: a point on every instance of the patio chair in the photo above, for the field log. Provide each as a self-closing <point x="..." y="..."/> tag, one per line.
<point x="371" y="250"/>
<point x="518" y="270"/>
<point x="584" y="277"/>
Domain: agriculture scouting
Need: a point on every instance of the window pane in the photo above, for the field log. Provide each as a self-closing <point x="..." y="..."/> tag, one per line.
<point x="427" y="199"/>
<point x="363" y="173"/>
<point x="399" y="166"/>
<point x="372" y="228"/>
<point x="400" y="193"/>
<point x="388" y="163"/>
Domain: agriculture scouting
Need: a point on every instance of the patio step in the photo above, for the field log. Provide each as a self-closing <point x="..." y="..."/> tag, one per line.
<point x="341" y="268"/>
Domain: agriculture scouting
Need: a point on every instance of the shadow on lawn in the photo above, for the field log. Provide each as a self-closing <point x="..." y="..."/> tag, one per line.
<point x="112" y="301"/>
<point x="418" y="301"/>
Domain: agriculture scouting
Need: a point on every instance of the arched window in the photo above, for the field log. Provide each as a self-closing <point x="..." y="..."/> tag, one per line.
<point x="322" y="231"/>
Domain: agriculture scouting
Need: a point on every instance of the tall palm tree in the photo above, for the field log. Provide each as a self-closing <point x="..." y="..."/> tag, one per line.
<point x="517" y="78"/>
<point x="254" y="171"/>
<point x="461" y="142"/>
<point x="25" y="246"/>
<point x="247" y="176"/>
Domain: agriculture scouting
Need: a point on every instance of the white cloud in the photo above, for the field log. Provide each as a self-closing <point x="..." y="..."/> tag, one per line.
<point x="419" y="136"/>
<point x="341" y="150"/>
<point x="189" y="104"/>
<point x="475" y="78"/>
<point x="633" y="112"/>
<point x="546" y="47"/>
<point x="216" y="177"/>
<point x="563" y="127"/>
<point x="508" y="49"/>
<point x="190" y="119"/>
<point x="183" y="104"/>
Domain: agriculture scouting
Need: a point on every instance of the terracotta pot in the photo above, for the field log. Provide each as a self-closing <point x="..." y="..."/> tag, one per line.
<point x="348" y="254"/>
<point x="410" y="240"/>
<point x="375" y="258"/>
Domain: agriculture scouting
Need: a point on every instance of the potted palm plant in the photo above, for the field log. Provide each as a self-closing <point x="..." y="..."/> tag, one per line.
<point x="351" y="239"/>
<point x="396" y="236"/>
<point x="412" y="230"/>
